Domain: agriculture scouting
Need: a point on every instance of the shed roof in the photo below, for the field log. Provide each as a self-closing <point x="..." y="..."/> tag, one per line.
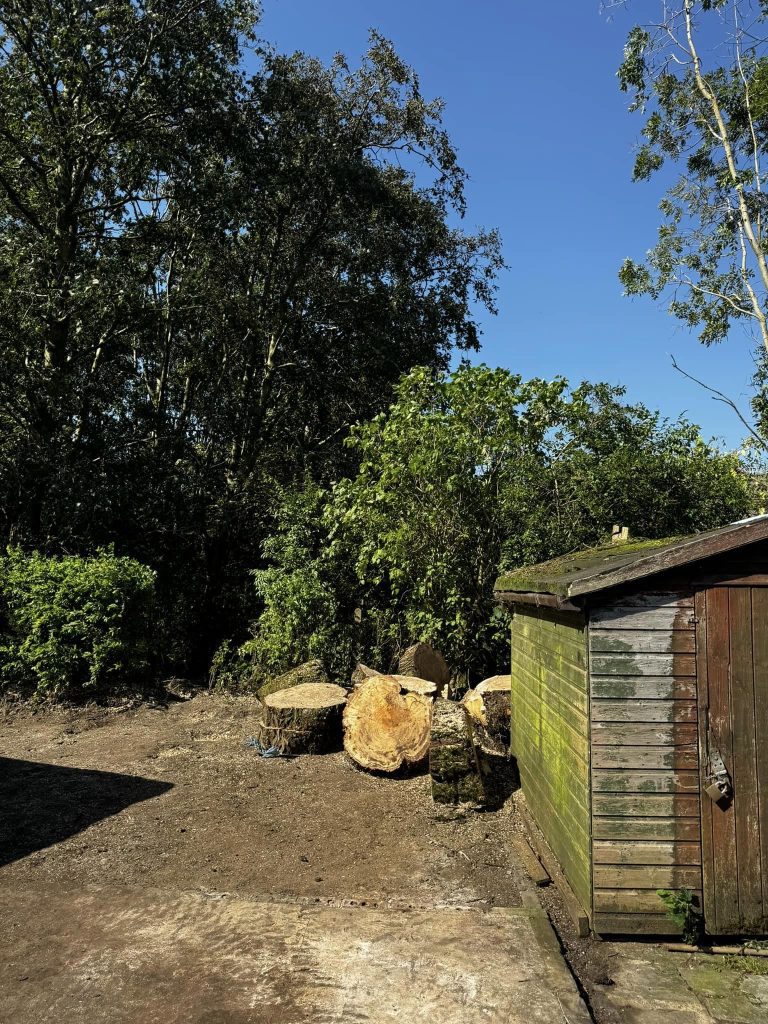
<point x="596" y="569"/>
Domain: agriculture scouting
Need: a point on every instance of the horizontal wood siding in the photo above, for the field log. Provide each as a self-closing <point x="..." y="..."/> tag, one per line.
<point x="550" y="734"/>
<point x="646" y="829"/>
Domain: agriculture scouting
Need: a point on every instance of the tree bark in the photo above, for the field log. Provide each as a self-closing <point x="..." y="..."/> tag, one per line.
<point x="304" y="719"/>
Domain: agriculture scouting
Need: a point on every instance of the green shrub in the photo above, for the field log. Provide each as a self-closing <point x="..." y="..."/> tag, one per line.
<point x="72" y="627"/>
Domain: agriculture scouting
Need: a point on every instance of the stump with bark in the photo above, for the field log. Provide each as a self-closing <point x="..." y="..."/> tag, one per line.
<point x="489" y="709"/>
<point x="423" y="661"/>
<point x="385" y="728"/>
<point x="361" y="673"/>
<point x="303" y="719"/>
<point x="452" y="762"/>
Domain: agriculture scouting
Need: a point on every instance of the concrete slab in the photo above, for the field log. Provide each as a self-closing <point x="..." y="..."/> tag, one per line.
<point x="730" y="995"/>
<point x="135" y="957"/>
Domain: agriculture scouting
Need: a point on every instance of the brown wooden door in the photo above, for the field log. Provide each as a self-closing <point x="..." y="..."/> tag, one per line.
<point x="733" y="720"/>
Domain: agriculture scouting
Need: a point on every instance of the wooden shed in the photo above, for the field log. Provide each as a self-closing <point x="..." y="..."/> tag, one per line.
<point x="640" y="724"/>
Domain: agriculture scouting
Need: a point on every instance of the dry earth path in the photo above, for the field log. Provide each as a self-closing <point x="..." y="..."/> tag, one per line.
<point x="156" y="869"/>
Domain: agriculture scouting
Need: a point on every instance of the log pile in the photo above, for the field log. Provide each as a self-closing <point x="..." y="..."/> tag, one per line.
<point x="302" y="719"/>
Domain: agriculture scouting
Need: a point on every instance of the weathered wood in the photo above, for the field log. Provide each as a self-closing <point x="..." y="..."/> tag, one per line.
<point x="649" y="641"/>
<point x="644" y="733"/>
<point x="361" y="673"/>
<point x="746" y="806"/>
<point x="725" y="918"/>
<point x="452" y="763"/>
<point x="302" y="719"/>
<point x="626" y="710"/>
<point x="635" y="924"/>
<point x="644" y="687"/>
<point x="489" y="715"/>
<point x="645" y="757"/>
<point x="531" y="864"/>
<point x="683" y="553"/>
<point x="632" y="876"/>
<point x="641" y="664"/>
<point x="607" y="780"/>
<point x="573" y="906"/>
<point x="702" y="679"/>
<point x="532" y="599"/>
<point x="606" y="851"/>
<point x="646" y="805"/>
<point x="664" y="618"/>
<point x="658" y="828"/>
<point x="550" y="734"/>
<point x="760" y="657"/>
<point x="384" y="728"/>
<point x="633" y="901"/>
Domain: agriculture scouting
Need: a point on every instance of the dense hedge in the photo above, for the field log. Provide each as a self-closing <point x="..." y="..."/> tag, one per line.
<point x="72" y="627"/>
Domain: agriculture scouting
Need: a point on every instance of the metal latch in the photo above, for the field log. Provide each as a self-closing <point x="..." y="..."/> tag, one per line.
<point x="719" y="786"/>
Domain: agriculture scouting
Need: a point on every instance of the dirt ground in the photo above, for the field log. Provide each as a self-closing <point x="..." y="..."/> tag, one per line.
<point x="172" y="796"/>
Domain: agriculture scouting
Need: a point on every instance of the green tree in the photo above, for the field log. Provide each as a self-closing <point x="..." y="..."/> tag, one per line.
<point x="205" y="278"/>
<point x="699" y="76"/>
<point x="466" y="475"/>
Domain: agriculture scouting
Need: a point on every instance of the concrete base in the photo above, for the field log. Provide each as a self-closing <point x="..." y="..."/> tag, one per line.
<point x="111" y="957"/>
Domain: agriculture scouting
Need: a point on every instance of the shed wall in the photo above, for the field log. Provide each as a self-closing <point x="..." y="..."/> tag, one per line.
<point x="550" y="733"/>
<point x="646" y="832"/>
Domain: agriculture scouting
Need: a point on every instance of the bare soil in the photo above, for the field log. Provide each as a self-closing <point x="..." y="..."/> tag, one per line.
<point x="171" y="797"/>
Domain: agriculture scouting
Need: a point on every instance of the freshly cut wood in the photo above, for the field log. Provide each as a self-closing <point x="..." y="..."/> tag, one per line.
<point x="452" y="762"/>
<point x="384" y="728"/>
<point x="489" y="712"/>
<point x="308" y="672"/>
<point x="303" y="719"/>
<point x="425" y="662"/>
<point x="495" y="683"/>
<point x="413" y="684"/>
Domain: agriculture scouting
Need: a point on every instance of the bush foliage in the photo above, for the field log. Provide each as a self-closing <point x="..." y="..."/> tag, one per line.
<point x="466" y="475"/>
<point x="74" y="627"/>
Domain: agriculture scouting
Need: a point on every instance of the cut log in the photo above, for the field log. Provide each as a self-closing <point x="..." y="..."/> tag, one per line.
<point x="489" y="712"/>
<point x="452" y="763"/>
<point x="413" y="684"/>
<point x="303" y="719"/>
<point x="495" y="683"/>
<point x="423" y="661"/>
<point x="384" y="728"/>
<point x="308" y="672"/>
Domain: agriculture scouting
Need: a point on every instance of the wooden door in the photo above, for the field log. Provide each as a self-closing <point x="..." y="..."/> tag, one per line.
<point x="733" y="722"/>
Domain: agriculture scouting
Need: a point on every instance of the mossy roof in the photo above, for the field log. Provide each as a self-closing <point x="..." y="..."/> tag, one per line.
<point x="610" y="565"/>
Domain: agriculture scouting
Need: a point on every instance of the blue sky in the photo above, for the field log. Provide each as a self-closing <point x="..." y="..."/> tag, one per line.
<point x="533" y="107"/>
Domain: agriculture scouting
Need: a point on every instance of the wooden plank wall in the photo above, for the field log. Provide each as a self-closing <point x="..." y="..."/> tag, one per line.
<point x="646" y="829"/>
<point x="550" y="734"/>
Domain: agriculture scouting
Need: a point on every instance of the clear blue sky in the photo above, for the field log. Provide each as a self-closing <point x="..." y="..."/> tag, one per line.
<point x="533" y="106"/>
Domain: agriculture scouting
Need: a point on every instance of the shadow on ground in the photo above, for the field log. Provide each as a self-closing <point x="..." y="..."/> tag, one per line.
<point x="42" y="804"/>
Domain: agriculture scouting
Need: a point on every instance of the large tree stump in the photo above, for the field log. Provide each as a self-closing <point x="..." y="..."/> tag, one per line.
<point x="452" y="762"/>
<point x="423" y="661"/>
<point x="384" y="728"/>
<point x="303" y="719"/>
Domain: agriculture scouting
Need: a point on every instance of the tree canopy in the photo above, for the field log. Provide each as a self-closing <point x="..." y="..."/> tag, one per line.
<point x="206" y="276"/>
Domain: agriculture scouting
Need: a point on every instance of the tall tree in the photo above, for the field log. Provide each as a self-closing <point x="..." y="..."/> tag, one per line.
<point x="699" y="75"/>
<point x="205" y="278"/>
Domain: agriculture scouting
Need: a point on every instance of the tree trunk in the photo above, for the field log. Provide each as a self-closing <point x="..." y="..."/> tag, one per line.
<point x="489" y="709"/>
<point x="452" y="762"/>
<point x="304" y="719"/>
<point x="384" y="728"/>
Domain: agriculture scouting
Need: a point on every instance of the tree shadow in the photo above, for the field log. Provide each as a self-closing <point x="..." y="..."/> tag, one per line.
<point x="42" y="804"/>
